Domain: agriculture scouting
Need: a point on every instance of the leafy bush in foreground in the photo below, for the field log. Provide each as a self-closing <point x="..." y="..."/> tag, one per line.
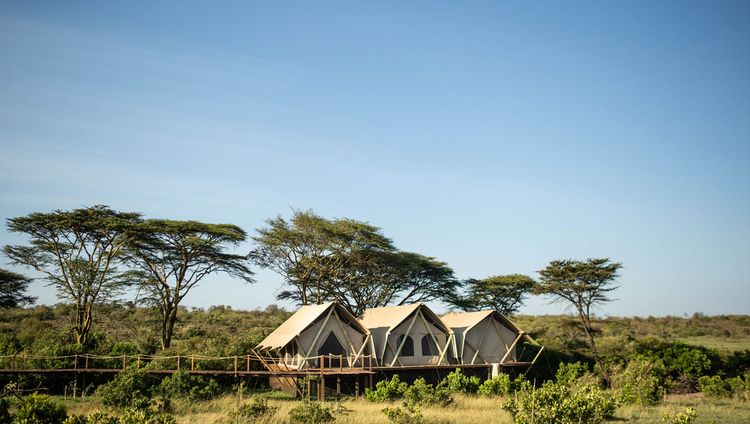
<point x="251" y="412"/>
<point x="409" y="414"/>
<point x="716" y="387"/>
<point x="560" y="403"/>
<point x="686" y="417"/>
<point x="387" y="390"/>
<point x="460" y="382"/>
<point x="311" y="413"/>
<point x="130" y="388"/>
<point x="421" y="393"/>
<point x="39" y="409"/>
<point x="496" y="386"/>
<point x="640" y="382"/>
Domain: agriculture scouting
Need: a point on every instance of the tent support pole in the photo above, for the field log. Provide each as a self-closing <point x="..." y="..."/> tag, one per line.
<point x="510" y="349"/>
<point x="403" y="342"/>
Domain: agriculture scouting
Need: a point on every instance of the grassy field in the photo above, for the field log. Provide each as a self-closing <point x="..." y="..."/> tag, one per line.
<point x="465" y="410"/>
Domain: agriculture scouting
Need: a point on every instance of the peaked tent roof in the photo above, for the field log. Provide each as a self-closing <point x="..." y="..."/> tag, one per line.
<point x="470" y="319"/>
<point x="393" y="316"/>
<point x="301" y="320"/>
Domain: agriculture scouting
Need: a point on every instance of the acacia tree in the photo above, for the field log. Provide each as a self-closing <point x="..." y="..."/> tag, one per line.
<point x="375" y="279"/>
<point x="310" y="252"/>
<point x="348" y="261"/>
<point x="76" y="251"/>
<point x="172" y="257"/>
<point x="584" y="285"/>
<point x="503" y="293"/>
<point x="13" y="287"/>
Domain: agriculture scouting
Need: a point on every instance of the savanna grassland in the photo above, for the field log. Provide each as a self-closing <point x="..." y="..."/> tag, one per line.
<point x="663" y="368"/>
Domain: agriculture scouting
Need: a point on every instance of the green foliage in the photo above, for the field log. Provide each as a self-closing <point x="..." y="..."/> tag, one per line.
<point x="130" y="388"/>
<point x="568" y="373"/>
<point x="715" y="386"/>
<point x="12" y="290"/>
<point x="181" y="384"/>
<point x="560" y="403"/>
<point x="640" y="382"/>
<point x="502" y="293"/>
<point x="387" y="390"/>
<point x="4" y="412"/>
<point x="686" y="417"/>
<point x="408" y="414"/>
<point x="499" y="385"/>
<point x="39" y="409"/>
<point x="421" y="393"/>
<point x="128" y="416"/>
<point x="251" y="412"/>
<point x="457" y="381"/>
<point x="311" y="413"/>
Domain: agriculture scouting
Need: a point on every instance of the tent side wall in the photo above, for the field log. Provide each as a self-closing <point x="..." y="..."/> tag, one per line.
<point x="491" y="338"/>
<point x="417" y="332"/>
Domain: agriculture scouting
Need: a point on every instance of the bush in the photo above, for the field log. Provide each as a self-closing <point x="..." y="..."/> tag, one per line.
<point x="560" y="403"/>
<point x="4" y="413"/>
<point x="496" y="386"/>
<point x="311" y="413"/>
<point x="387" y="390"/>
<point x="640" y="382"/>
<point x="714" y="386"/>
<point x="460" y="382"/>
<point x="130" y="388"/>
<point x="409" y="414"/>
<point x="686" y="417"/>
<point x="251" y="412"/>
<point x="38" y="409"/>
<point x="181" y="384"/>
<point x="421" y="393"/>
<point x="568" y="373"/>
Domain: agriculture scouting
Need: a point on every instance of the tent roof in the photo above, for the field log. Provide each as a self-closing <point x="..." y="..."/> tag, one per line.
<point x="305" y="317"/>
<point x="392" y="316"/>
<point x="468" y="320"/>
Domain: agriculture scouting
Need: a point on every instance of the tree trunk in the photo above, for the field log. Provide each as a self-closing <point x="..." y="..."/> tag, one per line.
<point x="169" y="318"/>
<point x="586" y="322"/>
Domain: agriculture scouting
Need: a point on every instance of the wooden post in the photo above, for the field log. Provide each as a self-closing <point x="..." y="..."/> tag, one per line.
<point x="75" y="366"/>
<point x="83" y="383"/>
<point x="178" y="362"/>
<point x="139" y="361"/>
<point x="341" y="362"/>
<point x="338" y="387"/>
<point x="309" y="386"/>
<point x="322" y="362"/>
<point x="356" y="388"/>
<point x="247" y="362"/>
<point x="322" y="388"/>
<point x="123" y="361"/>
<point x="235" y="365"/>
<point x="192" y="362"/>
<point x="370" y="381"/>
<point x="87" y="361"/>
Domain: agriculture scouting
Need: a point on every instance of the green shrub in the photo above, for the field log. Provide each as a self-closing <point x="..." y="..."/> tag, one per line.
<point x="421" y="393"/>
<point x="568" y="373"/>
<point x="251" y="412"/>
<point x="714" y="386"/>
<point x="460" y="382"/>
<point x="408" y="414"/>
<point x="99" y="417"/>
<point x="686" y="417"/>
<point x="4" y="413"/>
<point x="38" y="409"/>
<point x="181" y="384"/>
<point x="73" y="419"/>
<point x="130" y="388"/>
<point x="496" y="386"/>
<point x="560" y="403"/>
<point x="640" y="382"/>
<point x="387" y="390"/>
<point x="311" y="413"/>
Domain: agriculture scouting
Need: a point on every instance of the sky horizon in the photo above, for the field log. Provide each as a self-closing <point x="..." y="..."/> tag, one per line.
<point x="493" y="136"/>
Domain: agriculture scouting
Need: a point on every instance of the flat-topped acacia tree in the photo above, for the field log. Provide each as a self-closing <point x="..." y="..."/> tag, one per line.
<point x="172" y="257"/>
<point x="584" y="285"/>
<point x="77" y="252"/>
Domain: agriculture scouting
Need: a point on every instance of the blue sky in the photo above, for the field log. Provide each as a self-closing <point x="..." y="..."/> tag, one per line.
<point x="495" y="136"/>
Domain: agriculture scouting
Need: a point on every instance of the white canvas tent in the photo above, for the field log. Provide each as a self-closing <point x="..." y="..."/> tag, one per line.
<point x="407" y="335"/>
<point x="485" y="337"/>
<point x="316" y="330"/>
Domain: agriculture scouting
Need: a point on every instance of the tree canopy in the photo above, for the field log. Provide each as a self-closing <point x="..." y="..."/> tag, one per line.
<point x="77" y="252"/>
<point x="502" y="293"/>
<point x="345" y="260"/>
<point x="13" y="288"/>
<point x="172" y="257"/>
<point x="583" y="285"/>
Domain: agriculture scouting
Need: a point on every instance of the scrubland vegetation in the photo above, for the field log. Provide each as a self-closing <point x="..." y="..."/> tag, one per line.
<point x="656" y="374"/>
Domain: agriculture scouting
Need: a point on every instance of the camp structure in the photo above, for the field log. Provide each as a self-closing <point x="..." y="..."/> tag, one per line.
<point x="486" y="337"/>
<point x="315" y="331"/>
<point x="408" y="335"/>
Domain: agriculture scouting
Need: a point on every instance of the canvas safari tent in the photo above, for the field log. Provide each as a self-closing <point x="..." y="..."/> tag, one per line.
<point x="315" y="330"/>
<point x="408" y="335"/>
<point x="486" y="337"/>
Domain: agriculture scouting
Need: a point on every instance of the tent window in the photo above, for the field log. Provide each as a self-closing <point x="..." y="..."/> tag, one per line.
<point x="332" y="346"/>
<point x="428" y="346"/>
<point x="408" y="349"/>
